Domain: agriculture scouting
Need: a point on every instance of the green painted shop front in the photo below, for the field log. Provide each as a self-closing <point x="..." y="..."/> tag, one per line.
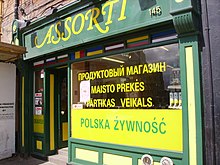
<point x="116" y="81"/>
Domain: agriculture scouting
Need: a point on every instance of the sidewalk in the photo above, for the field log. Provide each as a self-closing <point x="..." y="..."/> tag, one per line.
<point x="17" y="160"/>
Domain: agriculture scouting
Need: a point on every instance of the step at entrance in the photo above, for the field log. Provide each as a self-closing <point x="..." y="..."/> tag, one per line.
<point x="63" y="151"/>
<point x="61" y="158"/>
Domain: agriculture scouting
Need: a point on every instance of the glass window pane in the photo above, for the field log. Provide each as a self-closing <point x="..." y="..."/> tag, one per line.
<point x="38" y="95"/>
<point x="38" y="102"/>
<point x="143" y="79"/>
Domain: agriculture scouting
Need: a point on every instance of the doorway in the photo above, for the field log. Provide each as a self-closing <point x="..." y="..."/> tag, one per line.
<point x="62" y="107"/>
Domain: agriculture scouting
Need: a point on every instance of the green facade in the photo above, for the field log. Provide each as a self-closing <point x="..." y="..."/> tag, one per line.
<point x="83" y="25"/>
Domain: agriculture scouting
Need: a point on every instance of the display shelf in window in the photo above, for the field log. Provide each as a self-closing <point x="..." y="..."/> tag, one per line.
<point x="175" y="90"/>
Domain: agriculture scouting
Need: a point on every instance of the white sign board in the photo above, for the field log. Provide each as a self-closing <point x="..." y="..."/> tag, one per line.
<point x="7" y="109"/>
<point x="84" y="91"/>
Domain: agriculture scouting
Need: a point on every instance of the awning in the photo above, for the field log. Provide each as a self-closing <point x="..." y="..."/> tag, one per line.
<point x="10" y="53"/>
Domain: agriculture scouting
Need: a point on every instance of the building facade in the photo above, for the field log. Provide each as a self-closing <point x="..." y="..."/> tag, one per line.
<point x="119" y="82"/>
<point x="210" y="70"/>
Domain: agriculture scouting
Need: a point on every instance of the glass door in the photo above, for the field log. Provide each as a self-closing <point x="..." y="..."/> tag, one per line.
<point x="62" y="108"/>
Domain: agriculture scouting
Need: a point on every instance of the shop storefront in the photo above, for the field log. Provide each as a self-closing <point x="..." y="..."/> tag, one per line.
<point x="116" y="81"/>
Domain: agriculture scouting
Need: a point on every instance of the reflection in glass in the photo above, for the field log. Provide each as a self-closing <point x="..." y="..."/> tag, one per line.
<point x="144" y="79"/>
<point x="38" y="95"/>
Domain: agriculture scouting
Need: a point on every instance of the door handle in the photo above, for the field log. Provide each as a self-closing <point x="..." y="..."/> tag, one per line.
<point x="62" y="112"/>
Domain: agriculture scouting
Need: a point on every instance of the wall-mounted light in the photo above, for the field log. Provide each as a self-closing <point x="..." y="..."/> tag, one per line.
<point x="23" y="23"/>
<point x="52" y="10"/>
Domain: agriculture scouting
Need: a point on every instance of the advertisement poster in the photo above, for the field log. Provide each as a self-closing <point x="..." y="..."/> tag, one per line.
<point x="7" y="109"/>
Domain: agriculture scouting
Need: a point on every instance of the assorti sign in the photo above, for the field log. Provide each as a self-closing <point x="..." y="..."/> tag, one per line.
<point x="93" y="23"/>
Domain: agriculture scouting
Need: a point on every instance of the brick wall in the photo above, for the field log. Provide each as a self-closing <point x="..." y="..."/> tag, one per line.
<point x="28" y="10"/>
<point x="8" y="16"/>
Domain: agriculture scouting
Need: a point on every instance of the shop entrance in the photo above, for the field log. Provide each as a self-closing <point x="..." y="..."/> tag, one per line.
<point x="62" y="107"/>
<point x="50" y="111"/>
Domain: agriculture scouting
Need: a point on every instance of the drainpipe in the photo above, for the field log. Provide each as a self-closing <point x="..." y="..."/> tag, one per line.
<point x="16" y="9"/>
<point x="1" y="17"/>
<point x="211" y="151"/>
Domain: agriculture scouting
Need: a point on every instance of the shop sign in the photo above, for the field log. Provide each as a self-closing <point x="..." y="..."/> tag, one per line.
<point x="107" y="19"/>
<point x="39" y="123"/>
<point x="129" y="104"/>
<point x="156" y="129"/>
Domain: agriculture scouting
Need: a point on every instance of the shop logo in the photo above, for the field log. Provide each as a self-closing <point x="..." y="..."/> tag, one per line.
<point x="147" y="159"/>
<point x="75" y="25"/>
<point x="166" y="161"/>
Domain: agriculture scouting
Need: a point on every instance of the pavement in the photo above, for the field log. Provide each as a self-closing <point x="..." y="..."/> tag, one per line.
<point x="17" y="160"/>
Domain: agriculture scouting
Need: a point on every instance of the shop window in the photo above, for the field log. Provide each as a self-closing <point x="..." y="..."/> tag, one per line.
<point x="38" y="101"/>
<point x="143" y="79"/>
